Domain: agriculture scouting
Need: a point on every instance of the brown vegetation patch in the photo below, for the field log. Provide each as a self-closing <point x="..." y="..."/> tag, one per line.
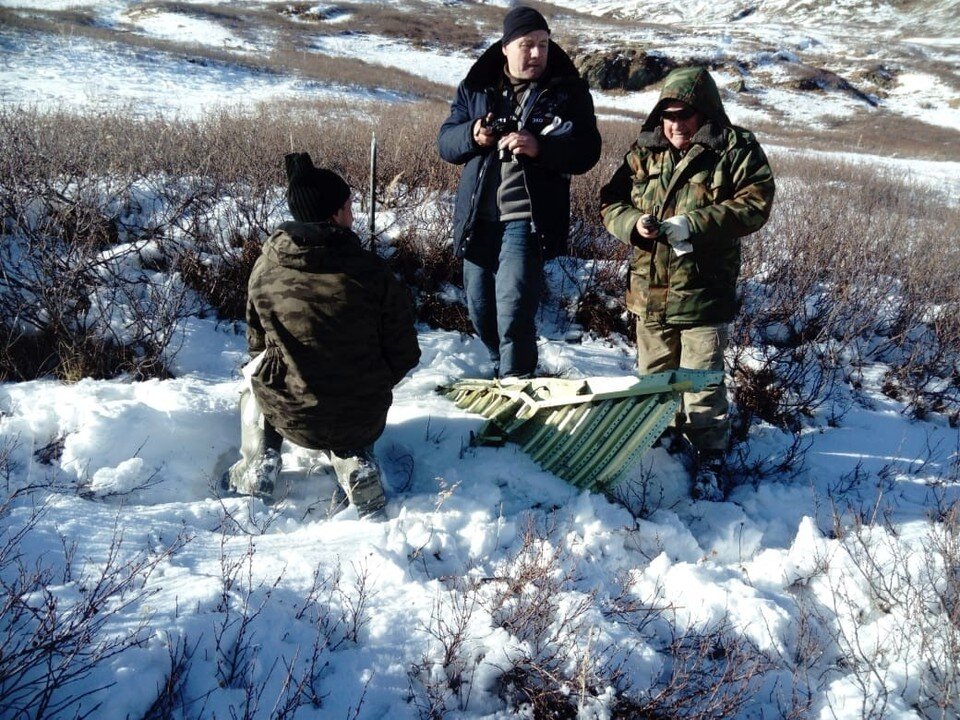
<point x="422" y="24"/>
<point x="441" y="314"/>
<point x="871" y="132"/>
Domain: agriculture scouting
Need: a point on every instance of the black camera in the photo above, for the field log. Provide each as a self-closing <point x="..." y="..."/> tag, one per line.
<point x="502" y="126"/>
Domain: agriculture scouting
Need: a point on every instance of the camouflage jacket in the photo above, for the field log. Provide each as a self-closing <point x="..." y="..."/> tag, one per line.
<point x="338" y="330"/>
<point x="724" y="186"/>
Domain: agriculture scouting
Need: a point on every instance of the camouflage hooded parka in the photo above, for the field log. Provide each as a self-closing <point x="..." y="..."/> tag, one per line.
<point x="338" y="331"/>
<point x="724" y="186"/>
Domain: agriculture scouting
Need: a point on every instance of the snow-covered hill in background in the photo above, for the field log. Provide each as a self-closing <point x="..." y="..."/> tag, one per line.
<point x="491" y="578"/>
<point x="890" y="19"/>
<point x="795" y="64"/>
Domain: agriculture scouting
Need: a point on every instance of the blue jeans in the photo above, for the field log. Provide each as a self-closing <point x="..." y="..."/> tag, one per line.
<point x="503" y="278"/>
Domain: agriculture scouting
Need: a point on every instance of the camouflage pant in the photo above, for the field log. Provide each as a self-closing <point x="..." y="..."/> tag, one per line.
<point x="259" y="465"/>
<point x="703" y="416"/>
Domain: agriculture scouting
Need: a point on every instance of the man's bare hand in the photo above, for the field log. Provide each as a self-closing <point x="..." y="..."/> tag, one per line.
<point x="522" y="142"/>
<point x="482" y="135"/>
<point x="644" y="232"/>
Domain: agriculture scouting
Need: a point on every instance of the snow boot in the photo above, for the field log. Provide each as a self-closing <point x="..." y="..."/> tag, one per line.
<point x="258" y="476"/>
<point x="710" y="476"/>
<point x="321" y="468"/>
<point x="359" y="475"/>
<point x="258" y="469"/>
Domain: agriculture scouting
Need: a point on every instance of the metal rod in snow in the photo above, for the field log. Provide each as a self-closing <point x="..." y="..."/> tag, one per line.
<point x="373" y="189"/>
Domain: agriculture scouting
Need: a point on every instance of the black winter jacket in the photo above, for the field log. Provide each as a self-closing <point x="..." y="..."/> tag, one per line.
<point x="563" y="94"/>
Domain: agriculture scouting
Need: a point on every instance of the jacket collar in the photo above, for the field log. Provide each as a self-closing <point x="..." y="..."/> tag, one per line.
<point x="488" y="69"/>
<point x="303" y="245"/>
<point x="710" y="134"/>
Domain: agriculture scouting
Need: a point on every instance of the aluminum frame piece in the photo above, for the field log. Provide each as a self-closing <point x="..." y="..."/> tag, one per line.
<point x="590" y="432"/>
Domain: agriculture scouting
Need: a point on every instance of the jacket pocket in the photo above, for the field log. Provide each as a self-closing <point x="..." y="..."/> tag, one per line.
<point x="640" y="264"/>
<point x="698" y="192"/>
<point x="647" y="192"/>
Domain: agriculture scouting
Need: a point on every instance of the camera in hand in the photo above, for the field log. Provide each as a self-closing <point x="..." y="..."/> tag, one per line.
<point x="650" y="223"/>
<point x="500" y="127"/>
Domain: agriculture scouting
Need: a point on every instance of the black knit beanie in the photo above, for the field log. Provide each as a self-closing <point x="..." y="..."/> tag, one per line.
<point x="313" y="194"/>
<point x="520" y="21"/>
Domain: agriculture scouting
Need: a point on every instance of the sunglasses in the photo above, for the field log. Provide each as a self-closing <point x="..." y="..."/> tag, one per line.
<point x="675" y="115"/>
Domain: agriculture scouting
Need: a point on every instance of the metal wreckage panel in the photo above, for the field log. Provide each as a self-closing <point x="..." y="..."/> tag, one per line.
<point x="589" y="432"/>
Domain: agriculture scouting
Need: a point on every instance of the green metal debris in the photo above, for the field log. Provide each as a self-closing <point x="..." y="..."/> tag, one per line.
<point x="590" y="432"/>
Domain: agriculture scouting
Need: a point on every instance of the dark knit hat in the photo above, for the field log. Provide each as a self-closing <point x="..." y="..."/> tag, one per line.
<point x="520" y="21"/>
<point x="313" y="194"/>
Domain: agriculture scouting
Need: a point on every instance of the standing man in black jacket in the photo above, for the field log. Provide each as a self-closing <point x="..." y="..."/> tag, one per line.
<point x="521" y="124"/>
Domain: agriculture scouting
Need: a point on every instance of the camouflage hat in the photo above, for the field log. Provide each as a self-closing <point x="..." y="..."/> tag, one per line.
<point x="313" y="194"/>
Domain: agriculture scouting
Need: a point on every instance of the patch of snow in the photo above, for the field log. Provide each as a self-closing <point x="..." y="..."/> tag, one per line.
<point x="188" y="29"/>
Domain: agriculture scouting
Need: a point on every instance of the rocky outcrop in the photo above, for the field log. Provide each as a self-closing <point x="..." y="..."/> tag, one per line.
<point x="622" y="68"/>
<point x="821" y="79"/>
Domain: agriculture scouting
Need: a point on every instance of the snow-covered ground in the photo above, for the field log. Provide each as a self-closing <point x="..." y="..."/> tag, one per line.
<point x="145" y="454"/>
<point x="248" y="594"/>
<point x="52" y="71"/>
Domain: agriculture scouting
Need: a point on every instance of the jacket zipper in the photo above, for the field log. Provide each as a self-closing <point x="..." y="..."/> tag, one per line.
<point x="524" y="116"/>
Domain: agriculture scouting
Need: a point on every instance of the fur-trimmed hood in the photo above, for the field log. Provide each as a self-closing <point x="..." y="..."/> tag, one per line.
<point x="488" y="69"/>
<point x="695" y="87"/>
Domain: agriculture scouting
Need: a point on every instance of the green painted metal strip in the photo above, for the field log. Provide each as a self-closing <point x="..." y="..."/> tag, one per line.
<point x="620" y="444"/>
<point x="584" y="452"/>
<point x="558" y="431"/>
<point x="541" y="425"/>
<point x="571" y="423"/>
<point x="611" y="453"/>
<point x="582" y="472"/>
<point x="637" y="440"/>
<point x="644" y="437"/>
<point x="507" y="412"/>
<point x="589" y="419"/>
<point x="580" y="443"/>
<point x="585" y="448"/>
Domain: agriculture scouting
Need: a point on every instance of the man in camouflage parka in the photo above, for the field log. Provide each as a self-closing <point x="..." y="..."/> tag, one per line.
<point x="336" y="331"/>
<point x="689" y="188"/>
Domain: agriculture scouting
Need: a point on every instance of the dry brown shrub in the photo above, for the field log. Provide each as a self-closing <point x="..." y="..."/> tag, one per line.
<point x="442" y="314"/>
<point x="223" y="285"/>
<point x="841" y="276"/>
<point x="68" y="356"/>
